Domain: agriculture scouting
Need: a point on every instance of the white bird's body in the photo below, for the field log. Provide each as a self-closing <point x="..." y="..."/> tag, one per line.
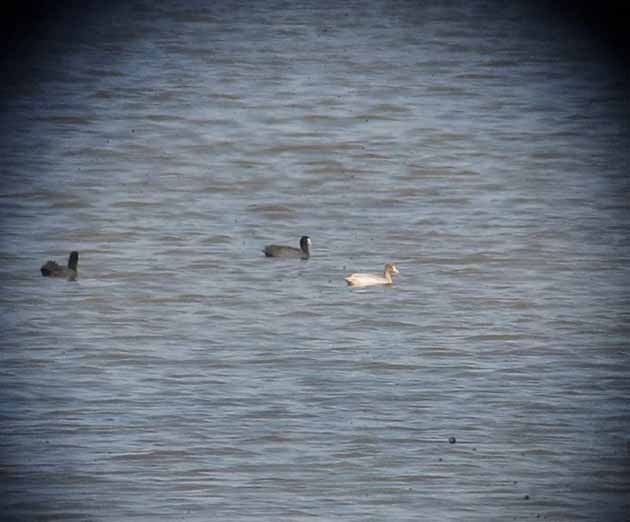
<point x="360" y="279"/>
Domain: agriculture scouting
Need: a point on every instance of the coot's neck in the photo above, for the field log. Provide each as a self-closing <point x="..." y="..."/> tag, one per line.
<point x="73" y="260"/>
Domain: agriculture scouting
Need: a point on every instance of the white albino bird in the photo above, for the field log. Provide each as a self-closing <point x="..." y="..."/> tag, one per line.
<point x="372" y="279"/>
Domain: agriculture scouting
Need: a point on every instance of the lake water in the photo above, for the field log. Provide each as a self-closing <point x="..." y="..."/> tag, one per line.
<point x="185" y="376"/>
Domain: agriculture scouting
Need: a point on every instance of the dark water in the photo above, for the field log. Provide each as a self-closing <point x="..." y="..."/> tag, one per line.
<point x="184" y="376"/>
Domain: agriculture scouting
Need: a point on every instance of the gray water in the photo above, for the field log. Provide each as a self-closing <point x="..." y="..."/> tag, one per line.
<point x="185" y="376"/>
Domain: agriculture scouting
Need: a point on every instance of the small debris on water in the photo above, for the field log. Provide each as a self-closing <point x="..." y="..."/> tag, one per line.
<point x="452" y="440"/>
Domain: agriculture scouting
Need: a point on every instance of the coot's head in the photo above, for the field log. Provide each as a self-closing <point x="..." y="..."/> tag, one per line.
<point x="305" y="244"/>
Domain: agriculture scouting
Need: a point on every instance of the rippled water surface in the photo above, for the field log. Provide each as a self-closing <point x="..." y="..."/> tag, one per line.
<point x="186" y="376"/>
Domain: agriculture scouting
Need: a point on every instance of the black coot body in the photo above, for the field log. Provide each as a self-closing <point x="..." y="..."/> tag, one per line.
<point x="304" y="252"/>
